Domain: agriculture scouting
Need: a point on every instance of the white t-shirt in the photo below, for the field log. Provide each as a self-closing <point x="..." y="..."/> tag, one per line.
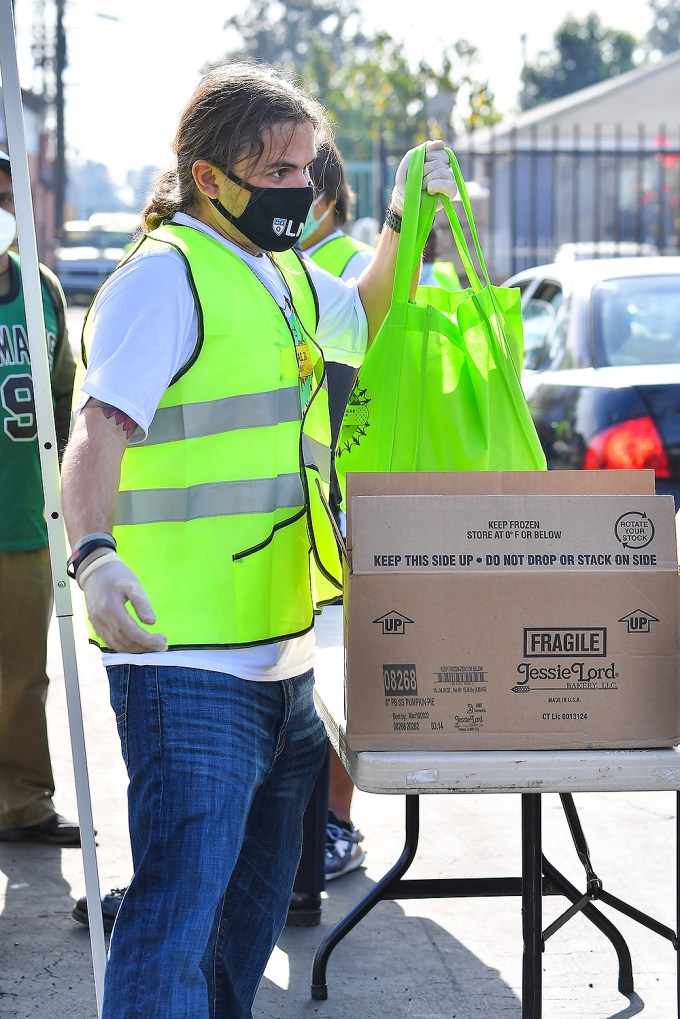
<point x="356" y="264"/>
<point x="144" y="329"/>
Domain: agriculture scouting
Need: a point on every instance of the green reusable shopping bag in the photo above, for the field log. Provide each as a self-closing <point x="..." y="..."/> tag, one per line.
<point x="439" y="388"/>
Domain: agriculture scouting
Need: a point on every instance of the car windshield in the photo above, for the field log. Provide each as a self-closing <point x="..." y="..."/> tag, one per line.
<point x="95" y="239"/>
<point x="636" y="320"/>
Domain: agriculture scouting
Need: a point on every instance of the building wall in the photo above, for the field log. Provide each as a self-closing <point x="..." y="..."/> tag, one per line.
<point x="40" y="159"/>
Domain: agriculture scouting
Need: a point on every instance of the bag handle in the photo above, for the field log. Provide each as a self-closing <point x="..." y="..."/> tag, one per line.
<point x="513" y="392"/>
<point x="461" y="244"/>
<point x="417" y="220"/>
<point x="467" y="207"/>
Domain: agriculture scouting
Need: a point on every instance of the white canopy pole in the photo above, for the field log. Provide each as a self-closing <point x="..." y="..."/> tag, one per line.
<point x="16" y="137"/>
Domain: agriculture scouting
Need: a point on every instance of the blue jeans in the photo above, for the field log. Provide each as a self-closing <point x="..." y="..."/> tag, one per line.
<point x="220" y="772"/>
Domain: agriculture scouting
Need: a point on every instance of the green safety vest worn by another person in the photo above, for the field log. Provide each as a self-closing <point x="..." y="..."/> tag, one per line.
<point x="334" y="255"/>
<point x="222" y="509"/>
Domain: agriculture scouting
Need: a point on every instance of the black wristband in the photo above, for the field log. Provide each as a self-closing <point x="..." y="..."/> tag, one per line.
<point x="81" y="553"/>
<point x="91" y="537"/>
<point x="392" y="219"/>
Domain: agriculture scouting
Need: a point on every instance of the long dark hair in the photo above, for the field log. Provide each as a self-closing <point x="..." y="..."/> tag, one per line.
<point x="224" y="121"/>
<point x="329" y="175"/>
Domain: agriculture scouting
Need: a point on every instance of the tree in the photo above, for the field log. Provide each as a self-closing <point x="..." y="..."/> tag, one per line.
<point x="139" y="183"/>
<point x="664" y="35"/>
<point x="378" y="94"/>
<point x="282" y="31"/>
<point x="90" y="189"/>
<point x="364" y="80"/>
<point x="585" y="53"/>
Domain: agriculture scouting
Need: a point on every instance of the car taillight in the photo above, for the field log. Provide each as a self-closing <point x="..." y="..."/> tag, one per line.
<point x="630" y="445"/>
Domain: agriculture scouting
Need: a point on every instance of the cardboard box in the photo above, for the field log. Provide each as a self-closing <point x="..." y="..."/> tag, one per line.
<point x="511" y="611"/>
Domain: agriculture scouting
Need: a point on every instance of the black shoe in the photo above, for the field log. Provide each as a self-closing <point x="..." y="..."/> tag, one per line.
<point x="55" y="830"/>
<point x="304" y="910"/>
<point x="110" y="906"/>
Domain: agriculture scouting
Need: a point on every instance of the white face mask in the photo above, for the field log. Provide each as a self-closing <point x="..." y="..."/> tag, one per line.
<point x="312" y="224"/>
<point x="8" y="230"/>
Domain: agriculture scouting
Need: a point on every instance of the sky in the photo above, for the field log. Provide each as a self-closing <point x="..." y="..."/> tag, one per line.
<point x="134" y="63"/>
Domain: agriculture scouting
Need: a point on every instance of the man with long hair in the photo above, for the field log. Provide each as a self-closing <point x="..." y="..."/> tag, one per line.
<point x="195" y="488"/>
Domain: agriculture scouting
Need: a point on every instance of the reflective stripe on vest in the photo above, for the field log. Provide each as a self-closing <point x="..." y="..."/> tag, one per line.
<point x="254" y="410"/>
<point x="218" y="499"/>
<point x="318" y="456"/>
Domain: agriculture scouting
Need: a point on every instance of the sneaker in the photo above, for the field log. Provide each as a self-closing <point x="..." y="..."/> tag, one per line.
<point x="110" y="906"/>
<point x="343" y="852"/>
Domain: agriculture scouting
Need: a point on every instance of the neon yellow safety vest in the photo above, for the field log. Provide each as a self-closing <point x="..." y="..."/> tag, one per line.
<point x="335" y="255"/>
<point x="222" y="510"/>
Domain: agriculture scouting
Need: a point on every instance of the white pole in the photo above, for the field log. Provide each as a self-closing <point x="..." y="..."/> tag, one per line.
<point x="16" y="137"/>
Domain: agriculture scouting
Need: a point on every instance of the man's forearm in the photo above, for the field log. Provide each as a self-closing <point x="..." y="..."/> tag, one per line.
<point x="91" y="473"/>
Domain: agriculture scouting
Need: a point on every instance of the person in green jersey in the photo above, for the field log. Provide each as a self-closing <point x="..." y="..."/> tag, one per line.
<point x="27" y="812"/>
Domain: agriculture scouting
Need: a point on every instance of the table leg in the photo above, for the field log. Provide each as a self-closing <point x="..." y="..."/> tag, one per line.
<point x="560" y="885"/>
<point x="532" y="912"/>
<point x="377" y="893"/>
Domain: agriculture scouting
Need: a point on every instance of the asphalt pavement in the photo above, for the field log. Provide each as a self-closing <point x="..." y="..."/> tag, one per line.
<point x="421" y="959"/>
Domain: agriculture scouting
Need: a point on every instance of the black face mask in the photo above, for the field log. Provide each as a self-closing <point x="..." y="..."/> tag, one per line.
<point x="273" y="218"/>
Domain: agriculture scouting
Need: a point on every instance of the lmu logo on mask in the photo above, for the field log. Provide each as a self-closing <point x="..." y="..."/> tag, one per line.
<point x="280" y="225"/>
<point x="259" y="221"/>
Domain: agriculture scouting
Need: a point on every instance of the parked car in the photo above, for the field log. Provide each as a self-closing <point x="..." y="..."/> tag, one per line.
<point x="89" y="250"/>
<point x="601" y="367"/>
<point x="603" y="249"/>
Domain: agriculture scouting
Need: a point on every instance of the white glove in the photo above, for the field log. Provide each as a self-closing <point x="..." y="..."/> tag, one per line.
<point x="108" y="585"/>
<point x="438" y="176"/>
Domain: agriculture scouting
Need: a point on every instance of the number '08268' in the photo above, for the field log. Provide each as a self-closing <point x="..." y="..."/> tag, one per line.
<point x="400" y="679"/>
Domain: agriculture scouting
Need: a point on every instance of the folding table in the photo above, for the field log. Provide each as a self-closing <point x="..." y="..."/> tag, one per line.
<point x="532" y="773"/>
